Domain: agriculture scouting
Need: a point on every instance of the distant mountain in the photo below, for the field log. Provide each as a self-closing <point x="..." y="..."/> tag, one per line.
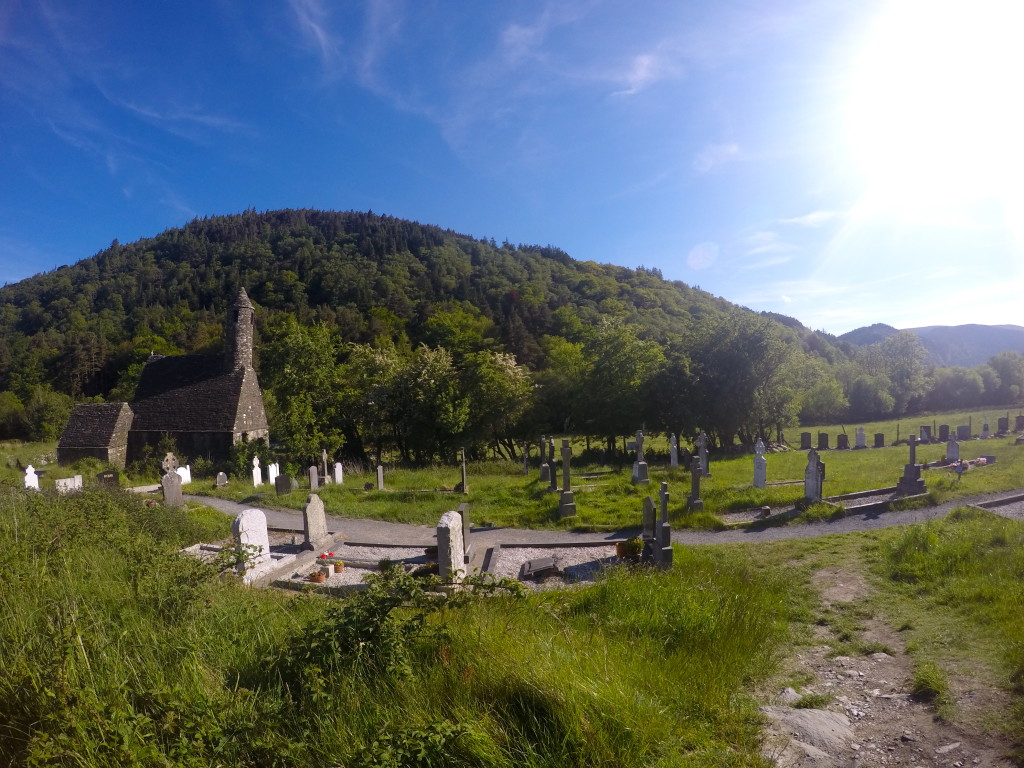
<point x="871" y="334"/>
<point x="950" y="345"/>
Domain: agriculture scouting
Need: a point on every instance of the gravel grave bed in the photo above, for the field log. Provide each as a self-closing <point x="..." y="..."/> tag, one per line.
<point x="576" y="564"/>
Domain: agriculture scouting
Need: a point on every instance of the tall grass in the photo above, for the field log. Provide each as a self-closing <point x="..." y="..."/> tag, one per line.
<point x="115" y="650"/>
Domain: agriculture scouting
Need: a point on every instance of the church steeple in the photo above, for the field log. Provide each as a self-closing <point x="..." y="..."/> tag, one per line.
<point x="238" y="333"/>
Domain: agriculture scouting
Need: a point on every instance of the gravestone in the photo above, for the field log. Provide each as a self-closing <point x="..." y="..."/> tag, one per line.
<point x="862" y="439"/>
<point x="339" y="473"/>
<point x="526" y="458"/>
<point x="648" y="519"/>
<point x="879" y="439"/>
<point x="823" y="441"/>
<point x="380" y="477"/>
<point x="943" y="433"/>
<point x="465" y="485"/>
<point x="314" y="523"/>
<point x="31" y="478"/>
<point x="273" y="470"/>
<point x="170" y="463"/>
<point x="314" y="477"/>
<point x="250" y="531"/>
<point x="673" y="451"/>
<point x="694" y="501"/>
<point x="257" y="473"/>
<point x="467" y="529"/>
<point x="814" y="476"/>
<point x="170" y="484"/>
<point x="805" y="441"/>
<point x="1018" y="425"/>
<point x="553" y="463"/>
<point x="68" y="484"/>
<point x="911" y="482"/>
<point x="963" y="432"/>
<point x="702" y="450"/>
<point x="1003" y="425"/>
<point x="925" y="433"/>
<point x="842" y="441"/>
<point x="545" y="470"/>
<point x="323" y="463"/>
<point x="663" y="533"/>
<point x="567" y="501"/>
<point x="952" y="451"/>
<point x="760" y="471"/>
<point x="451" y="549"/>
<point x="640" y="476"/>
<point x="985" y="434"/>
<point x="283" y="485"/>
<point x="109" y="478"/>
<point x="222" y="479"/>
<point x="185" y="473"/>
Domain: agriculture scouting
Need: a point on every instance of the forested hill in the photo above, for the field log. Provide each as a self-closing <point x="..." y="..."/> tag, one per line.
<point x="379" y="332"/>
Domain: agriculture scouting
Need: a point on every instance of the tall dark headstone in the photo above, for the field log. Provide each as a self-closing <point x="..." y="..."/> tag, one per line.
<point x="1019" y="423"/>
<point x="823" y="441"/>
<point x="842" y="441"/>
<point x="943" y="433"/>
<point x="879" y="439"/>
<point x="911" y="481"/>
<point x="1003" y="426"/>
<point x="805" y="441"/>
<point x="963" y="432"/>
<point x="283" y="484"/>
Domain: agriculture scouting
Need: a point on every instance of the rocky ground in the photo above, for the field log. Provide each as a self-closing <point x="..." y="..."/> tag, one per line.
<point x="871" y="718"/>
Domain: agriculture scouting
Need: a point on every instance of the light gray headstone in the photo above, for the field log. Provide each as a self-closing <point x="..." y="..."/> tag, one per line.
<point x="314" y="523"/>
<point x="862" y="438"/>
<point x="65" y="484"/>
<point x="170" y="463"/>
<point x="702" y="448"/>
<point x="31" y="478"/>
<point x="339" y="473"/>
<point x="185" y="473"/>
<point x="663" y="497"/>
<point x="760" y="471"/>
<point x="451" y="549"/>
<point x="759" y="447"/>
<point x="673" y="451"/>
<point x="813" y="476"/>
<point x="250" y="531"/>
<point x="257" y="473"/>
<point x="273" y="470"/>
<point x="222" y="479"/>
<point x="171" y="486"/>
<point x="380" y="477"/>
<point x="314" y="478"/>
<point x="952" y="451"/>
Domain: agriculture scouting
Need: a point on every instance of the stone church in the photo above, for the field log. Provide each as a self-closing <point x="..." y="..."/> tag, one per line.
<point x="207" y="403"/>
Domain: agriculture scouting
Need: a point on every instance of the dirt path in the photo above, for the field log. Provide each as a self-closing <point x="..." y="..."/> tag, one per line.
<point x="871" y="718"/>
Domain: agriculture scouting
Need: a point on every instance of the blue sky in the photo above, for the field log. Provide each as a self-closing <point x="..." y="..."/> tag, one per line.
<point x="843" y="163"/>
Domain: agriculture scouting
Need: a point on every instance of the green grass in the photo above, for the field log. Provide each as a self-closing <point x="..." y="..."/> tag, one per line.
<point x="117" y="651"/>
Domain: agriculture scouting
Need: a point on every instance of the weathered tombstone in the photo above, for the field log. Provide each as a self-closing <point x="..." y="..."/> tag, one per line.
<point x="952" y="451"/>
<point x="170" y="484"/>
<point x="273" y="470"/>
<point x="805" y="441"/>
<point x="451" y="549"/>
<point x="257" y="473"/>
<point x="842" y="441"/>
<point x="985" y="434"/>
<point x="380" y="477"/>
<point x="963" y="432"/>
<point x="814" y="476"/>
<point x="283" y="485"/>
<point x="702" y="451"/>
<point x="109" y="478"/>
<point x="339" y="473"/>
<point x="222" y="480"/>
<point x="694" y="501"/>
<point x="314" y="523"/>
<point x="170" y="463"/>
<point x="925" y="433"/>
<point x="673" y="451"/>
<point x="323" y="461"/>
<point x="663" y="533"/>
<point x="879" y="439"/>
<point x="250" y="531"/>
<point x="64" y="484"/>
<point x="467" y="529"/>
<point x="943" y="433"/>
<point x="648" y="519"/>
<point x="553" y="475"/>
<point x="185" y="473"/>
<point x="567" y="501"/>
<point x="465" y="485"/>
<point x="31" y="478"/>
<point x="1018" y="425"/>
<point x="823" y="441"/>
<point x="862" y="439"/>
<point x="640" y="476"/>
<point x="760" y="471"/>
<point x="314" y="477"/>
<point x="1003" y="425"/>
<point x="911" y="482"/>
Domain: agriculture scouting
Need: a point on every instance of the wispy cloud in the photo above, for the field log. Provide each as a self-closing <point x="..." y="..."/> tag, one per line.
<point x="702" y="255"/>
<point x="714" y="155"/>
<point x="644" y="70"/>
<point x="312" y="19"/>
<point x="812" y="219"/>
<point x="766" y="242"/>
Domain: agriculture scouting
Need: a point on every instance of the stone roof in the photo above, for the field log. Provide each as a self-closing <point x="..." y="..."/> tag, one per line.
<point x="94" y="425"/>
<point x="187" y="393"/>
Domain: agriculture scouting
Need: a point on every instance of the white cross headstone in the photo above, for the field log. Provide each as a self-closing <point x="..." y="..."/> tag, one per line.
<point x="31" y="478"/>
<point x="257" y="473"/>
<point x="185" y="473"/>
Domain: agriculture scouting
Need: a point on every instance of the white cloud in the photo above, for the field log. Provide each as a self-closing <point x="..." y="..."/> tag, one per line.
<point x="311" y="18"/>
<point x="702" y="255"/>
<point x="785" y="298"/>
<point x="812" y="219"/>
<point x="714" y="155"/>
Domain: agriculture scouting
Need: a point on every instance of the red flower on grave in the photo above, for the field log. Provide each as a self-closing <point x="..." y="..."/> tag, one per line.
<point x="330" y="554"/>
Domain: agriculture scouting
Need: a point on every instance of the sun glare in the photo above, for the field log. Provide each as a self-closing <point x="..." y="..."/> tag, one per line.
<point x="935" y="117"/>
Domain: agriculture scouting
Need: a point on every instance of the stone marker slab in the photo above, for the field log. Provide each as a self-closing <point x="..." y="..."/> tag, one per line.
<point x="170" y="484"/>
<point x="314" y="523"/>
<point x="250" y="531"/>
<point x="451" y="549"/>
